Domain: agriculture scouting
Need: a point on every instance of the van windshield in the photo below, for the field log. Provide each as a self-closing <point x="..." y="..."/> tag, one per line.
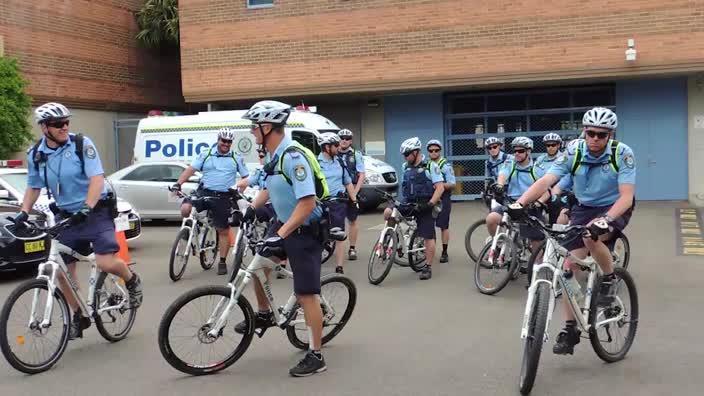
<point x="307" y="139"/>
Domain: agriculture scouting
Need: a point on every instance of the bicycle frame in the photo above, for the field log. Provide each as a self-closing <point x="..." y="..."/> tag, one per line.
<point x="553" y="258"/>
<point x="194" y="232"/>
<point x="55" y="266"/>
<point x="256" y="268"/>
<point x="508" y="235"/>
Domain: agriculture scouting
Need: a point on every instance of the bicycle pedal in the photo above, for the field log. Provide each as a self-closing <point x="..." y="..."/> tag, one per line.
<point x="260" y="332"/>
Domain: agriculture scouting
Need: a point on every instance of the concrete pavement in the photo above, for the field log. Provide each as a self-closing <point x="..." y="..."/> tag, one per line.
<point x="407" y="337"/>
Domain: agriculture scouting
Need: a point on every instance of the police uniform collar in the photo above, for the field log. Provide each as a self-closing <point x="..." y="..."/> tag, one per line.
<point x="217" y="152"/>
<point x="285" y="143"/>
<point x="519" y="166"/>
<point x="48" y="150"/>
<point x="587" y="155"/>
<point x="348" y="150"/>
<point x="321" y="157"/>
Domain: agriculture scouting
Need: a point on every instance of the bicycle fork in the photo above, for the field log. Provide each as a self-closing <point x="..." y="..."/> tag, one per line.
<point x="532" y="291"/>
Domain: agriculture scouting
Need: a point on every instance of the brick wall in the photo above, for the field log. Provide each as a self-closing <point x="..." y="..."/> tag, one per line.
<point x="83" y="54"/>
<point x="333" y="46"/>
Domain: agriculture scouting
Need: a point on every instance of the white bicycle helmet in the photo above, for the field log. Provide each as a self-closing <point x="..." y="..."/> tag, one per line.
<point x="552" y="137"/>
<point x="411" y="144"/>
<point x="433" y="142"/>
<point x="522" y="141"/>
<point x="600" y="117"/>
<point x="226" y="133"/>
<point x="50" y="111"/>
<point x="268" y="112"/>
<point x="492" y="140"/>
<point x="328" y="138"/>
<point x="344" y="132"/>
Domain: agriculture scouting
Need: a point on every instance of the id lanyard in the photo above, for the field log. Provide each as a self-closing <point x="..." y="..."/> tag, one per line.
<point x="60" y="153"/>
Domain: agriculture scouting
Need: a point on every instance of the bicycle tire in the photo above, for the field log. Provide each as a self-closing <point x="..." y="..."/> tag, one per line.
<point x="328" y="251"/>
<point x="205" y="262"/>
<point x="533" y="343"/>
<point x="625" y="260"/>
<point x="594" y="311"/>
<point x="337" y="326"/>
<point x="111" y="300"/>
<point x="165" y="346"/>
<point x="173" y="273"/>
<point x="473" y="253"/>
<point x="506" y="270"/>
<point x="382" y="253"/>
<point x="531" y="260"/>
<point x="416" y="260"/>
<point x="5" y="346"/>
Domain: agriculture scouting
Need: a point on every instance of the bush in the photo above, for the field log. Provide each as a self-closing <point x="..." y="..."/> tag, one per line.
<point x="15" y="107"/>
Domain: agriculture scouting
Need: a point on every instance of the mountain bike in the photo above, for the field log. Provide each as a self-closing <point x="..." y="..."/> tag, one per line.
<point x="37" y="308"/>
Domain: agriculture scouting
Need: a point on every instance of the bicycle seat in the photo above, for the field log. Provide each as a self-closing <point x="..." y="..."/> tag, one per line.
<point x="337" y="234"/>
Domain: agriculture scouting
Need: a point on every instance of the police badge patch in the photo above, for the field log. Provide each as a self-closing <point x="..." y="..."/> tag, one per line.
<point x="629" y="161"/>
<point x="90" y="152"/>
<point x="300" y="172"/>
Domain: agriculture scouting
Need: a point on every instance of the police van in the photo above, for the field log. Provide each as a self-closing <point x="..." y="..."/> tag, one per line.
<point x="182" y="138"/>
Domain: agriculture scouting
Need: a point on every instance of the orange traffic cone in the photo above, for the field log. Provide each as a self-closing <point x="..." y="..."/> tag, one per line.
<point x="123" y="253"/>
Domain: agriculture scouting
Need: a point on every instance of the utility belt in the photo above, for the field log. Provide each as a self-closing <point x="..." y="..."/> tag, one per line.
<point x="213" y="193"/>
<point x="320" y="230"/>
<point x="107" y="203"/>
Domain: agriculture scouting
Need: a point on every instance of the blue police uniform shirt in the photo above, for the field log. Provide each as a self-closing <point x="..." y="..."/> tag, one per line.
<point x="358" y="159"/>
<point x="257" y="179"/>
<point x="283" y="196"/>
<point x="595" y="183"/>
<point x="66" y="180"/>
<point x="565" y="183"/>
<point x="493" y="166"/>
<point x="448" y="174"/>
<point x="417" y="188"/>
<point x="336" y="176"/>
<point x="219" y="170"/>
<point x="521" y="179"/>
<point x="543" y="163"/>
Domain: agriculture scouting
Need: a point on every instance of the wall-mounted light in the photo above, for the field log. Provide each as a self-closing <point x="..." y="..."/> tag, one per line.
<point x="631" y="51"/>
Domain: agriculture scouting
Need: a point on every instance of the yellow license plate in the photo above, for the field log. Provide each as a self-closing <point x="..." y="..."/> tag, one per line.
<point x="36" y="246"/>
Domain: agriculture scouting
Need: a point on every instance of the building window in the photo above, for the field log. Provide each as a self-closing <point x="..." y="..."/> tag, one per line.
<point x="260" y="3"/>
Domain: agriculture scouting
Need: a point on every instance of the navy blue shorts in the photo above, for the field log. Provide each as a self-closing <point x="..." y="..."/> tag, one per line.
<point x="443" y="219"/>
<point x="265" y="213"/>
<point x="352" y="213"/>
<point x="304" y="253"/>
<point x="218" y="209"/>
<point x="337" y="212"/>
<point x="97" y="230"/>
<point x="426" y="225"/>
<point x="582" y="215"/>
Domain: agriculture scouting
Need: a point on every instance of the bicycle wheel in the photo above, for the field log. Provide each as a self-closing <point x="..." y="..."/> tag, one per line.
<point x="416" y="252"/>
<point x="531" y="261"/>
<point x="179" y="257"/>
<point x="114" y="324"/>
<point x="382" y="256"/>
<point x="621" y="251"/>
<point x="475" y="239"/>
<point x="211" y="243"/>
<point x="215" y="354"/>
<point x="341" y="296"/>
<point x="605" y="336"/>
<point x="30" y="348"/>
<point x="533" y="344"/>
<point x="328" y="250"/>
<point x="491" y="278"/>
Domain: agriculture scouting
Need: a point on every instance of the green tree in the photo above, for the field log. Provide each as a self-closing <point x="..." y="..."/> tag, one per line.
<point x="15" y="106"/>
<point x="158" y="24"/>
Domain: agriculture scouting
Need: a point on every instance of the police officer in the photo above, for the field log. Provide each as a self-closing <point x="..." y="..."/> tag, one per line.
<point x="75" y="180"/>
<point x="434" y="148"/>
<point x="552" y="142"/>
<point x="265" y="213"/>
<point x="355" y="165"/>
<point x="496" y="158"/>
<point x="514" y="179"/>
<point x="603" y="176"/>
<point x="422" y="184"/>
<point x="291" y="187"/>
<point x="220" y="166"/>
<point x="339" y="185"/>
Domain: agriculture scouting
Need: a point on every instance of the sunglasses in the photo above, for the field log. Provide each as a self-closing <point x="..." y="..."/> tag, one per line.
<point x="519" y="151"/>
<point x="226" y="141"/>
<point x="346" y="138"/>
<point x="433" y="150"/>
<point x="600" y="135"/>
<point x="493" y="147"/>
<point x="552" y="145"/>
<point x="407" y="153"/>
<point x="57" y="124"/>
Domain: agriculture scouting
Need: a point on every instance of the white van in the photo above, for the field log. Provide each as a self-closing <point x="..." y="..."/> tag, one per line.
<point x="181" y="138"/>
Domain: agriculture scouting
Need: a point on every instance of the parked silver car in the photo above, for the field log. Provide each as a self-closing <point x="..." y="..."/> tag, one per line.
<point x="145" y="186"/>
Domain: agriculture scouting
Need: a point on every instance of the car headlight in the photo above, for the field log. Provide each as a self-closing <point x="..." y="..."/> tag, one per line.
<point x="373" y="177"/>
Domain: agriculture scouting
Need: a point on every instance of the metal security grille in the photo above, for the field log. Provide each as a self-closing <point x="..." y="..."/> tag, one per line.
<point x="471" y="118"/>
